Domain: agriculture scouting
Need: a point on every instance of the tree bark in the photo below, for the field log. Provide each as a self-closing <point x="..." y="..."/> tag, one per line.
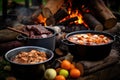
<point x="52" y="7"/>
<point x="92" y="22"/>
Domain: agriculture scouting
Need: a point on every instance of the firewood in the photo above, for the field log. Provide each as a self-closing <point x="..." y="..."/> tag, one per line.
<point x="59" y="15"/>
<point x="93" y="66"/>
<point x="8" y="35"/>
<point x="66" y="22"/>
<point x="62" y="13"/>
<point x="115" y="29"/>
<point x="80" y="67"/>
<point x="50" y="21"/>
<point x="5" y="46"/>
<point x="51" y="7"/>
<point x="101" y="66"/>
<point x="103" y="13"/>
<point x="92" y="22"/>
<point x="36" y="14"/>
<point x="59" y="52"/>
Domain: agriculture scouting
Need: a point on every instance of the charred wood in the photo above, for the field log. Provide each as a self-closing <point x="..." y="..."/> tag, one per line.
<point x="36" y="14"/>
<point x="59" y="15"/>
<point x="62" y="13"/>
<point x="67" y="22"/>
<point x="50" y="21"/>
<point x="74" y="27"/>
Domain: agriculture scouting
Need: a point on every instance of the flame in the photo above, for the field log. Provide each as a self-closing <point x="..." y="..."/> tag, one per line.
<point x="72" y="14"/>
<point x="41" y="19"/>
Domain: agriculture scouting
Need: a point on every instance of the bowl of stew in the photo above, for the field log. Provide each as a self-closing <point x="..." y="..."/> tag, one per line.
<point x="89" y="44"/>
<point x="28" y="62"/>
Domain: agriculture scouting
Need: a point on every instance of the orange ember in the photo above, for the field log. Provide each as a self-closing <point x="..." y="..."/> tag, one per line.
<point x="42" y="19"/>
<point x="72" y="14"/>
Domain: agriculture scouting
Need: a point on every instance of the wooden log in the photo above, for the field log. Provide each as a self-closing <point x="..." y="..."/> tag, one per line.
<point x="103" y="13"/>
<point x="92" y="22"/>
<point x="36" y="14"/>
<point x="59" y="15"/>
<point x="10" y="45"/>
<point x="51" y="7"/>
<point x="50" y="21"/>
<point x="100" y="66"/>
<point x="91" y="67"/>
<point x="66" y="22"/>
<point x="80" y="67"/>
<point x="8" y="35"/>
<point x="62" y="13"/>
<point x="114" y="29"/>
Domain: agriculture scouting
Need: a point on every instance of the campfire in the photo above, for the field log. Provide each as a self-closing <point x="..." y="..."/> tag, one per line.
<point x="74" y="14"/>
<point x="92" y="15"/>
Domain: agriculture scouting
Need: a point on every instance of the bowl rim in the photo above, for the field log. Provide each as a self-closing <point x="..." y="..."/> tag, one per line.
<point x="25" y="47"/>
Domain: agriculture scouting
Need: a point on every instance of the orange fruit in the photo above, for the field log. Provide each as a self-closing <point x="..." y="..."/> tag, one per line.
<point x="66" y="64"/>
<point x="75" y="73"/>
<point x="72" y="66"/>
<point x="60" y="77"/>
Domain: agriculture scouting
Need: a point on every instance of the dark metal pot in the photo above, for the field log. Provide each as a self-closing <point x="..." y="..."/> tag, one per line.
<point x="89" y="52"/>
<point x="28" y="71"/>
<point x="48" y="42"/>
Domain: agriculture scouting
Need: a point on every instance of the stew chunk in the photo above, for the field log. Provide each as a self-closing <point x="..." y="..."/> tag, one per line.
<point x="89" y="39"/>
<point x="30" y="57"/>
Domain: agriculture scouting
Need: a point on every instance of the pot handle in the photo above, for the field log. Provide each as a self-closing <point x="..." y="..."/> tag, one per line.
<point x="21" y="37"/>
<point x="66" y="42"/>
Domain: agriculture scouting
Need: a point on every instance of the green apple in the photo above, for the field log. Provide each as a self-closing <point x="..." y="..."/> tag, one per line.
<point x="64" y="72"/>
<point x="50" y="74"/>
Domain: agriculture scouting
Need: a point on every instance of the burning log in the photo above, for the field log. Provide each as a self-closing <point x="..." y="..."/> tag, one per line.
<point x="36" y="14"/>
<point x="50" y="21"/>
<point x="102" y="13"/>
<point x="92" y="22"/>
<point x="59" y="15"/>
<point x="62" y="13"/>
<point x="66" y="22"/>
<point x="52" y="7"/>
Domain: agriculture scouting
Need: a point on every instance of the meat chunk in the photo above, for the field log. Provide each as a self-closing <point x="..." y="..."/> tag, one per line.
<point x="37" y="31"/>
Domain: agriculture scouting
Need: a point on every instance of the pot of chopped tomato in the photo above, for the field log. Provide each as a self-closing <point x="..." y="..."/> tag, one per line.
<point x="89" y="44"/>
